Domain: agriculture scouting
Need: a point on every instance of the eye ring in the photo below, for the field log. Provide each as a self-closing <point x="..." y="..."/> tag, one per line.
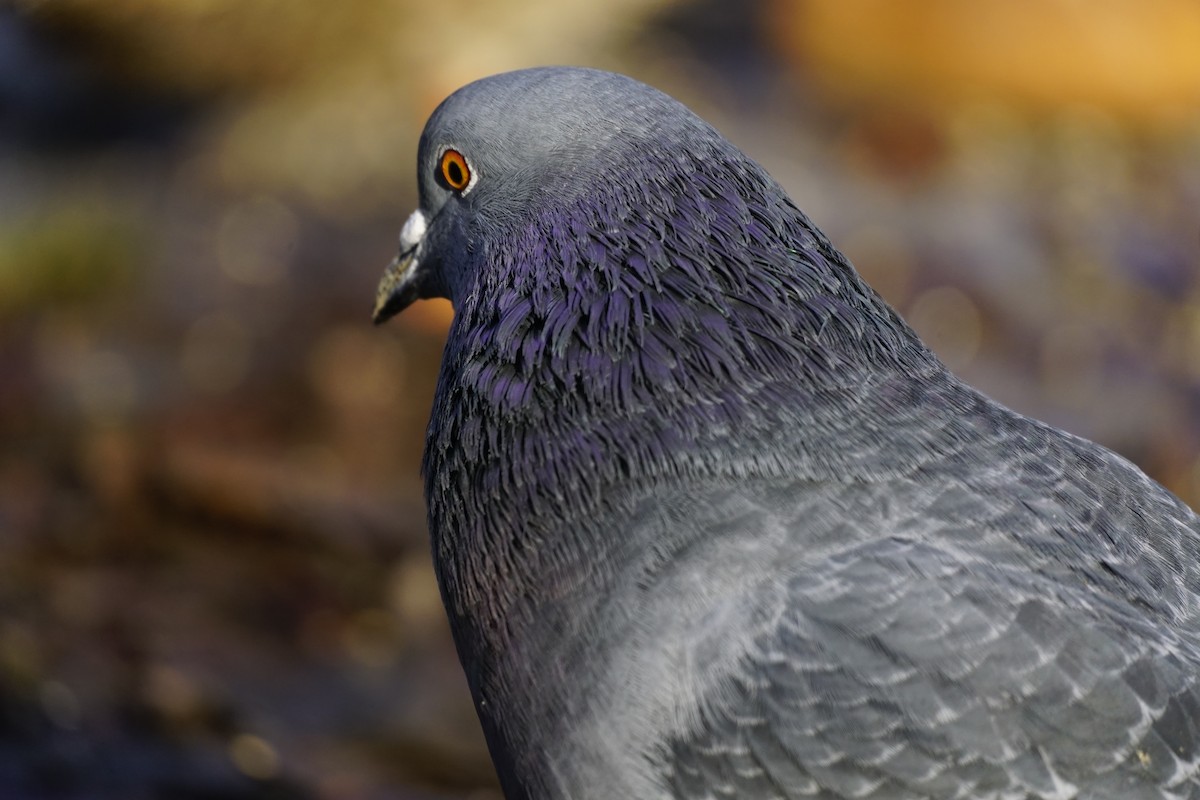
<point x="455" y="170"/>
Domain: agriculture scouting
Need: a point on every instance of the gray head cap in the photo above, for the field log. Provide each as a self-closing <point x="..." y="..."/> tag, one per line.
<point x="535" y="119"/>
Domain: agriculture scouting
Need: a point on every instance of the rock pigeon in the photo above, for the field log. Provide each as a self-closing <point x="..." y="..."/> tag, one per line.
<point x="710" y="521"/>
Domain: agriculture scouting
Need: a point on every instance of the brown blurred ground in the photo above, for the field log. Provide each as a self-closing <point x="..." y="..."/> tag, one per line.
<point x="214" y="580"/>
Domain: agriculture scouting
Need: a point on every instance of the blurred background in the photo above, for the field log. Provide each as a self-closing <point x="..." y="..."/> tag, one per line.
<point x="214" y="578"/>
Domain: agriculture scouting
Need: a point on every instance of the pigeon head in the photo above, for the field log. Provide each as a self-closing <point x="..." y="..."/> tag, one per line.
<point x="499" y="150"/>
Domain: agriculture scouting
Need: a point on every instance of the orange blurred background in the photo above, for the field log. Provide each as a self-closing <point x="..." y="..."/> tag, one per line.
<point x="213" y="570"/>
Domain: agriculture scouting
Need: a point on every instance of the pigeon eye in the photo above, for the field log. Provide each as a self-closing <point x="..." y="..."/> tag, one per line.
<point x="455" y="171"/>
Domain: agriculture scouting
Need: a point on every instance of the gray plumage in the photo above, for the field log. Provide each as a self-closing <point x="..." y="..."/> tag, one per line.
<point x="711" y="522"/>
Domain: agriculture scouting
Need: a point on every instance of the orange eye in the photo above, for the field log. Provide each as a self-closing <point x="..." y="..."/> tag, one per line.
<point x="455" y="171"/>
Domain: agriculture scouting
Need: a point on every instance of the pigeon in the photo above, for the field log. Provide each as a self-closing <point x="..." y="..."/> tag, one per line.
<point x="710" y="521"/>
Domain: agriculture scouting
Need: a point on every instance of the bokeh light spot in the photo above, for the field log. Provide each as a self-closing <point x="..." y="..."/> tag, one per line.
<point x="60" y="704"/>
<point x="256" y="240"/>
<point x="884" y="259"/>
<point x="254" y="756"/>
<point x="172" y="692"/>
<point x="372" y="638"/>
<point x="413" y="594"/>
<point x="352" y="367"/>
<point x="105" y="383"/>
<point x="216" y="353"/>
<point x="949" y="323"/>
<point x="1071" y="366"/>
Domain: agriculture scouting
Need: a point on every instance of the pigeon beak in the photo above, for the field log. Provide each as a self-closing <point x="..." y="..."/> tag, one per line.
<point x="399" y="286"/>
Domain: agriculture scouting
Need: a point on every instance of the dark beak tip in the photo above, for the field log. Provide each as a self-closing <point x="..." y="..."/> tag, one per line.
<point x="399" y="299"/>
<point x="383" y="313"/>
<point x="399" y="287"/>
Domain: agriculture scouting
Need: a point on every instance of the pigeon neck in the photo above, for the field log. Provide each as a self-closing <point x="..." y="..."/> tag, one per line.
<point x="600" y="355"/>
<point x="636" y="333"/>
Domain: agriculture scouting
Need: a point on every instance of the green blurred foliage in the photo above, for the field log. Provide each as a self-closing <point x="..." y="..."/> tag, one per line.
<point x="77" y="254"/>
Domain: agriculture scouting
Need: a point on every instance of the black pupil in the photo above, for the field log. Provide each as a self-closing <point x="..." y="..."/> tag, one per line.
<point x="455" y="173"/>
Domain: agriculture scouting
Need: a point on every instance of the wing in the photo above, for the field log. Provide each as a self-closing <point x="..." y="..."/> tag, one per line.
<point x="926" y="663"/>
